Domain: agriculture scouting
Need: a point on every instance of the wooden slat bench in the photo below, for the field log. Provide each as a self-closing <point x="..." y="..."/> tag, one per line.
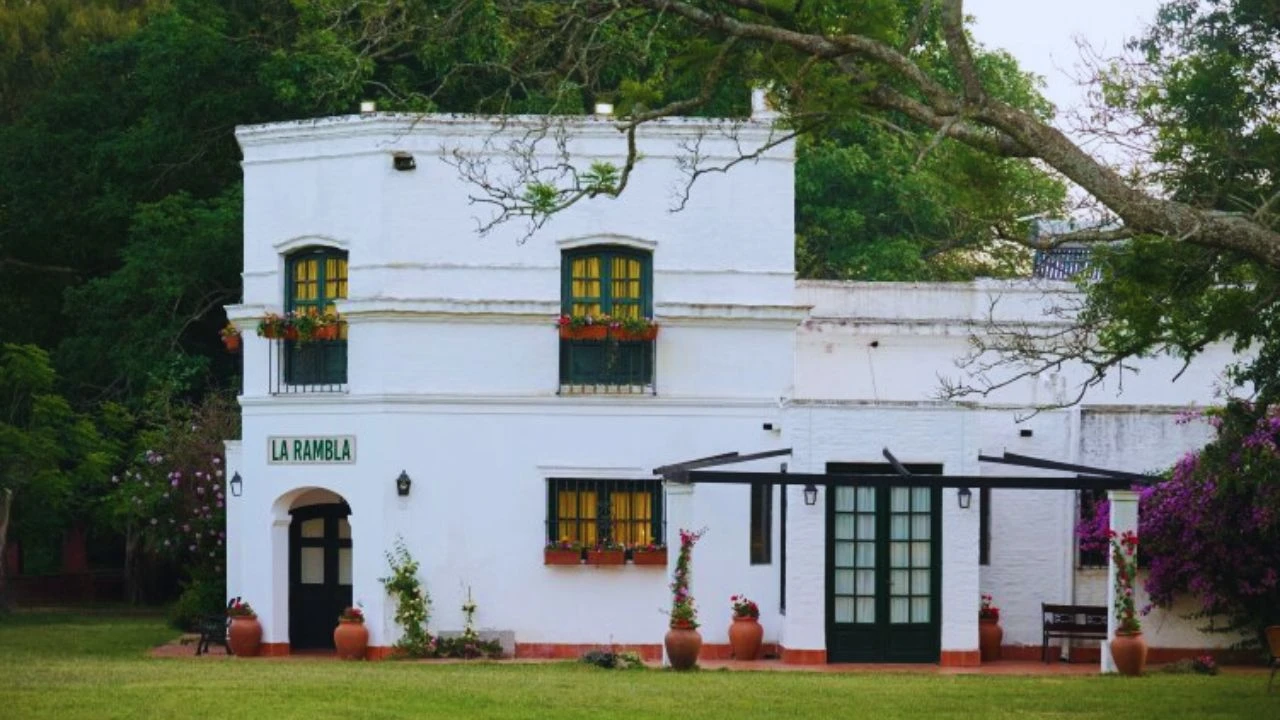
<point x="1072" y="621"/>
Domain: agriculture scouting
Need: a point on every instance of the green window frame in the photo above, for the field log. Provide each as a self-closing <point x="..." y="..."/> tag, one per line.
<point x="589" y="511"/>
<point x="616" y="281"/>
<point x="315" y="278"/>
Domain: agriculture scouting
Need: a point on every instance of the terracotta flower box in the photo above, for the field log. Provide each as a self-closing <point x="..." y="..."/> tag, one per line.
<point x="605" y="557"/>
<point x="586" y="332"/>
<point x="650" y="333"/>
<point x="653" y="557"/>
<point x="561" y="557"/>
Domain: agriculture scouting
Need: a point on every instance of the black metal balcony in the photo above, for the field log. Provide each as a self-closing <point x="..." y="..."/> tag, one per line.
<point x="317" y="366"/>
<point x="607" y="367"/>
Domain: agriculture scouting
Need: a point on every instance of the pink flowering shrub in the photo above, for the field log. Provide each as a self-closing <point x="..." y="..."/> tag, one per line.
<point x="1211" y="529"/>
<point x="684" y="613"/>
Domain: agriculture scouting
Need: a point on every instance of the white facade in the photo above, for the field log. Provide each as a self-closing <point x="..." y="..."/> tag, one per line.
<point x="453" y="377"/>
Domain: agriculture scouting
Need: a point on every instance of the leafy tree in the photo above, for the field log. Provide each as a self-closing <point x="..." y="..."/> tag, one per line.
<point x="47" y="451"/>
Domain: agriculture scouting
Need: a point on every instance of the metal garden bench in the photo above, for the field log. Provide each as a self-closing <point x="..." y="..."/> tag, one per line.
<point x="213" y="630"/>
<point x="1072" y="621"/>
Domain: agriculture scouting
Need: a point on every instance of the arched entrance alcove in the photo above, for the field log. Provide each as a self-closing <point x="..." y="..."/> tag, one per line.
<point x="319" y="564"/>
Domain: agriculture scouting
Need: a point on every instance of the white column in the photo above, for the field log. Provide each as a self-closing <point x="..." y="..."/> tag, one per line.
<point x="961" y="593"/>
<point x="368" y="563"/>
<point x="1124" y="518"/>
<point x="804" y="626"/>
<point x="235" y="511"/>
<point x="680" y="516"/>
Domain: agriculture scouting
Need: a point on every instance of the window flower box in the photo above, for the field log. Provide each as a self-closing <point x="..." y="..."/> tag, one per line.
<point x="561" y="557"/>
<point x="606" y="557"/>
<point x="649" y="557"/>
<point x="586" y="332"/>
<point x="633" y="330"/>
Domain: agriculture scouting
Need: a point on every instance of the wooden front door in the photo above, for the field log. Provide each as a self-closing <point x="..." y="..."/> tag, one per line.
<point x="319" y="573"/>
<point x="884" y="568"/>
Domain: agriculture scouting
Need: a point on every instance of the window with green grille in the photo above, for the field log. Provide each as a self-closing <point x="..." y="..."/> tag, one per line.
<point x="316" y="278"/>
<point x="613" y="281"/>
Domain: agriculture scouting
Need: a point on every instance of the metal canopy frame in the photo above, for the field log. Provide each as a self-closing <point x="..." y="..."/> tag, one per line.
<point x="1086" y="477"/>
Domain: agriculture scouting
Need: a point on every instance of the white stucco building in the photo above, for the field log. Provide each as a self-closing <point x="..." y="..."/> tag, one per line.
<point x="452" y="373"/>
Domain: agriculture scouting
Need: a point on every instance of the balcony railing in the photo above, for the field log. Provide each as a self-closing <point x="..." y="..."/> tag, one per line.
<point x="318" y="366"/>
<point x="607" y="367"/>
<point x="1065" y="263"/>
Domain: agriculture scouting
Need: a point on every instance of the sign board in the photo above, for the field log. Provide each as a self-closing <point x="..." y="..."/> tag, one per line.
<point x="311" y="450"/>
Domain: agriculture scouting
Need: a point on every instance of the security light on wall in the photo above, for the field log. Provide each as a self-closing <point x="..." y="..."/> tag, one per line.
<point x="403" y="161"/>
<point x="965" y="497"/>
<point x="237" y="485"/>
<point x="403" y="484"/>
<point x="368" y="106"/>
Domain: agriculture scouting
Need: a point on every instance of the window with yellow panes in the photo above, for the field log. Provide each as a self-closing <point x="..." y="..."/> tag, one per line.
<point x="607" y="280"/>
<point x="627" y="512"/>
<point x="316" y="278"/>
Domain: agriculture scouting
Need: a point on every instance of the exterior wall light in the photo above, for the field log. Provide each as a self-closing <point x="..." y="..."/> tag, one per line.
<point x="403" y="161"/>
<point x="810" y="494"/>
<point x="368" y="106"/>
<point x="237" y="485"/>
<point x="402" y="484"/>
<point x="965" y="497"/>
<point x="604" y="109"/>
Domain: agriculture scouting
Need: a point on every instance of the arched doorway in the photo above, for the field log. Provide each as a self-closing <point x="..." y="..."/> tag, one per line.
<point x="319" y="568"/>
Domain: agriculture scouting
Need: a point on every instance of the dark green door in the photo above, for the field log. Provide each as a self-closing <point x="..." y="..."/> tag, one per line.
<point x="319" y="573"/>
<point x="884" y="569"/>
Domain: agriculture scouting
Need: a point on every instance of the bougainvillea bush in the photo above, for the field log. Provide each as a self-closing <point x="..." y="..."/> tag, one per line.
<point x="170" y="502"/>
<point x="1211" y="529"/>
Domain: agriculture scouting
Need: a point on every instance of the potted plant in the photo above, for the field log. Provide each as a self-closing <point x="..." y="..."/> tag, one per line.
<point x="351" y="637"/>
<point x="990" y="634"/>
<point x="682" y="642"/>
<point x="272" y="326"/>
<point x="745" y="634"/>
<point x="1128" y="648"/>
<point x="562" y="552"/>
<point x="606" y="552"/>
<point x="231" y="337"/>
<point x="245" y="635"/>
<point x="633" y="329"/>
<point x="328" y="327"/>
<point x="650" y="554"/>
<point x="303" y="325"/>
<point x="583" y="327"/>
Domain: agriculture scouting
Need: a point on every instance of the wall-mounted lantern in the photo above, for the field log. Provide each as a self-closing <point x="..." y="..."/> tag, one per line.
<point x="403" y="483"/>
<point x="965" y="498"/>
<point x="237" y="485"/>
<point x="810" y="494"/>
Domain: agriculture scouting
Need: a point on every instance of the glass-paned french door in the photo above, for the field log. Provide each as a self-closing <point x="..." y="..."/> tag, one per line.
<point x="884" y="568"/>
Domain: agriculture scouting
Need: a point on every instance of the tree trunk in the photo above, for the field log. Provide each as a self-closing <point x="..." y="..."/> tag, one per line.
<point x="6" y="502"/>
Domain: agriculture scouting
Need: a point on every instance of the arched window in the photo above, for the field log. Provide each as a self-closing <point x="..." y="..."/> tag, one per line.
<point x="316" y="277"/>
<point x="615" y="281"/>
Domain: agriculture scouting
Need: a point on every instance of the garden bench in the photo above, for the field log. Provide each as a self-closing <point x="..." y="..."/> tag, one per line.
<point x="1072" y="621"/>
<point x="213" y="630"/>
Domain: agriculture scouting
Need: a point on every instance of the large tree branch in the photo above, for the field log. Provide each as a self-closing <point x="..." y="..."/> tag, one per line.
<point x="961" y="53"/>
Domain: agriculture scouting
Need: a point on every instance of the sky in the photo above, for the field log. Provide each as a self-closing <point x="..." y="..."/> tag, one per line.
<point x="1041" y="35"/>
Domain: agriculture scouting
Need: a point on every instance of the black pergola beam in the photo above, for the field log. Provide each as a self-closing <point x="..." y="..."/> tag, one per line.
<point x="712" y="477"/>
<point x="714" y="460"/>
<point x="897" y="466"/>
<point x="1034" y="462"/>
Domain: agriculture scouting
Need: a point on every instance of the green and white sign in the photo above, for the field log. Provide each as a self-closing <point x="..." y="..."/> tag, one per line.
<point x="315" y="449"/>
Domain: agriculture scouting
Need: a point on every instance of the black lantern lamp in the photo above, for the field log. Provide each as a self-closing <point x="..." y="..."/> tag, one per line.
<point x="237" y="485"/>
<point x="402" y="484"/>
<point x="965" y="498"/>
<point x="810" y="494"/>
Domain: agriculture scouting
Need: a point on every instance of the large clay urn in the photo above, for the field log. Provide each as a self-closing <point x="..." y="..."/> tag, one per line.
<point x="745" y="636"/>
<point x="1129" y="650"/>
<point x="351" y="638"/>
<point x="990" y="635"/>
<point x="245" y="636"/>
<point x="683" y="645"/>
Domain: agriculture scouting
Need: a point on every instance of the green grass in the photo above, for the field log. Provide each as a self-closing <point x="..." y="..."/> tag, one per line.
<point x="77" y="666"/>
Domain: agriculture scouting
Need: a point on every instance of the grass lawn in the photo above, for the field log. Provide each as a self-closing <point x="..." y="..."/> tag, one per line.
<point x="76" y="666"/>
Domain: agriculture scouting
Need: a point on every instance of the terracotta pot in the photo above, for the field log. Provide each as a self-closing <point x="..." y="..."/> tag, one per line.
<point x="291" y="333"/>
<point x="245" y="636"/>
<point x="990" y="635"/>
<point x="649" y="558"/>
<point x="232" y="342"/>
<point x="351" y="639"/>
<point x="606" y="557"/>
<point x="1273" y="639"/>
<point x="327" y="332"/>
<point x="586" y="332"/>
<point x="1129" y="650"/>
<point x="683" y="646"/>
<point x="561" y="557"/>
<point x="745" y="636"/>
<point x="623" y="336"/>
